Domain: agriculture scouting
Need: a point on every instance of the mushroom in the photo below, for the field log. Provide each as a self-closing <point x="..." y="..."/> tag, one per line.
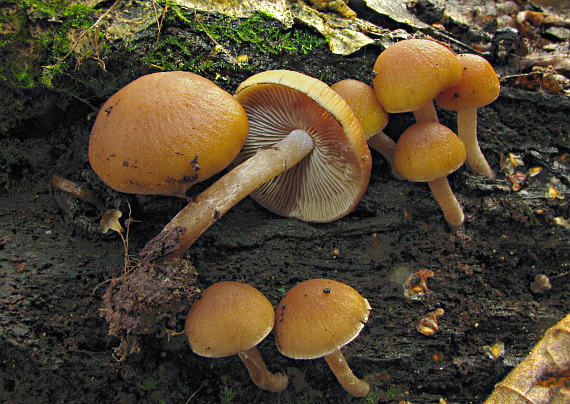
<point x="410" y="73"/>
<point x="372" y="117"/>
<point x="164" y="132"/>
<point x="317" y="318"/>
<point x="233" y="318"/>
<point x="304" y="157"/>
<point x="429" y="152"/>
<point x="479" y="86"/>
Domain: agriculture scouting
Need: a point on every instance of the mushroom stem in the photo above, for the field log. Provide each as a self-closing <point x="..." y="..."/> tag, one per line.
<point x="234" y="186"/>
<point x="263" y="378"/>
<point x="76" y="190"/>
<point x="467" y="131"/>
<point x="426" y="113"/>
<point x="383" y="144"/>
<point x="352" y="384"/>
<point x="451" y="208"/>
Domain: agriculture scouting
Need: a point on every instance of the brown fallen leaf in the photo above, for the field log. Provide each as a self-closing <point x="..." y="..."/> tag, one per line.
<point x="528" y="21"/>
<point x="544" y="375"/>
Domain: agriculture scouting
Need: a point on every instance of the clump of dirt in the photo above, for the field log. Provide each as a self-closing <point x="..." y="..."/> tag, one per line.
<point x="146" y="299"/>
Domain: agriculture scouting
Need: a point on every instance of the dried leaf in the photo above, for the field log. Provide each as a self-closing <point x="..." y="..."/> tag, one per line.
<point x="343" y="30"/>
<point x="397" y="11"/>
<point x="543" y="376"/>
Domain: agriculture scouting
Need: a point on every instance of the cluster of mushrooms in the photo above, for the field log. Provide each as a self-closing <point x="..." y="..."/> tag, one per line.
<point x="300" y="148"/>
<point x="315" y="319"/>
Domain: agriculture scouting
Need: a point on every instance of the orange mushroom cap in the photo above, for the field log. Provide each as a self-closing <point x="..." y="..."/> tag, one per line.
<point x="230" y="317"/>
<point x="372" y="117"/>
<point x="427" y="151"/>
<point x="164" y="132"/>
<point x="410" y="73"/>
<point x="318" y="317"/>
<point x="479" y="85"/>
<point x="362" y="99"/>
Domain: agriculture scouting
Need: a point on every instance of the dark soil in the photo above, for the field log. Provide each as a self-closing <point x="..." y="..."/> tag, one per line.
<point x="55" y="347"/>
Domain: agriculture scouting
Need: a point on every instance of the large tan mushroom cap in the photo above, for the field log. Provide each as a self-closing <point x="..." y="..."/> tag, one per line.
<point x="230" y="317"/>
<point x="410" y="73"/>
<point x="479" y="85"/>
<point x="331" y="180"/>
<point x="427" y="151"/>
<point x="164" y="132"/>
<point x="318" y="317"/>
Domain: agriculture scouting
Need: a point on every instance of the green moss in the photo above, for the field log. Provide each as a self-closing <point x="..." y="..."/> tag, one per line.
<point x="227" y="395"/>
<point x="202" y="43"/>
<point x="50" y="7"/>
<point x="38" y="34"/>
<point x="225" y="41"/>
<point x="40" y="45"/>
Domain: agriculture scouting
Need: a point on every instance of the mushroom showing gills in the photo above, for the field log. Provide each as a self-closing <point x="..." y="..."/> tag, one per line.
<point x="164" y="132"/>
<point x="232" y="318"/>
<point x="479" y="86"/>
<point x="409" y="75"/>
<point x="429" y="152"/>
<point x="304" y="157"/>
<point x="317" y="318"/>
<point x="372" y="117"/>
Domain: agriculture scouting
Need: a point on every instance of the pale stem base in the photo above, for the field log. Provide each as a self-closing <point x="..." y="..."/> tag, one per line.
<point x="263" y="378"/>
<point x="467" y="132"/>
<point x="238" y="183"/>
<point x="451" y="208"/>
<point x="352" y="384"/>
<point x="426" y="113"/>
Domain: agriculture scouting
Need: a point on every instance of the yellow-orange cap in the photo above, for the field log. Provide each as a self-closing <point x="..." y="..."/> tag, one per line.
<point x="362" y="99"/>
<point x="164" y="132"/>
<point x="427" y="151"/>
<point x="229" y="318"/>
<point x="479" y="85"/>
<point x="331" y="180"/>
<point x="317" y="317"/>
<point x="412" y="72"/>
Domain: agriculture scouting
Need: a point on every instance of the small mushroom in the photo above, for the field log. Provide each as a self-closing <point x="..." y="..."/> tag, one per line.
<point x="409" y="75"/>
<point x="305" y="157"/>
<point x="317" y="318"/>
<point x="233" y="318"/>
<point x="372" y="117"/>
<point x="479" y="86"/>
<point x="164" y="132"/>
<point x="429" y="152"/>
